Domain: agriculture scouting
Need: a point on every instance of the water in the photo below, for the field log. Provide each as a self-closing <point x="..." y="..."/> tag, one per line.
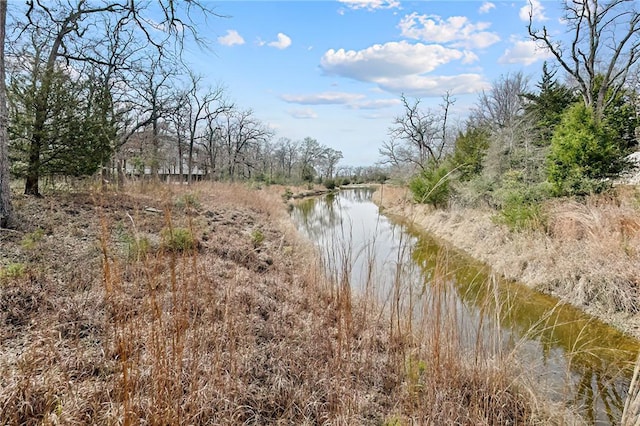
<point x="576" y="359"/>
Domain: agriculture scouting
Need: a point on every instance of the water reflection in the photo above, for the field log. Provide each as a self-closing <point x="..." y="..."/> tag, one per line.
<point x="570" y="353"/>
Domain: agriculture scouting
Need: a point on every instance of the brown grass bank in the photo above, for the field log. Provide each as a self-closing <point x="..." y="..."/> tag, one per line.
<point x="200" y="305"/>
<point x="588" y="254"/>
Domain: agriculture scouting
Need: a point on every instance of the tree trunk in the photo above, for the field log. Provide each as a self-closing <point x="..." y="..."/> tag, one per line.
<point x="104" y="175"/>
<point x="42" y="107"/>
<point x="180" y="165"/>
<point x="33" y="171"/>
<point x="190" y="165"/>
<point x="6" y="211"/>
<point x="120" y="165"/>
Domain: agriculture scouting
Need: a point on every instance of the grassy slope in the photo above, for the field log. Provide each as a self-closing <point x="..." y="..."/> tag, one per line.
<point x="588" y="256"/>
<point x="105" y="322"/>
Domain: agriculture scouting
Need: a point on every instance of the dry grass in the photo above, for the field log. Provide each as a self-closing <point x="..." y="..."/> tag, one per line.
<point x="588" y="254"/>
<point x="110" y="324"/>
<point x="601" y="250"/>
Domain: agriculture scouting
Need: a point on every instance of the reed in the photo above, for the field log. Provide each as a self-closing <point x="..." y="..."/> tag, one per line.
<point x="228" y="331"/>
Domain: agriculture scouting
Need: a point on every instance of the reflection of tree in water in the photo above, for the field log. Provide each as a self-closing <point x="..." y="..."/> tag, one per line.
<point x="595" y="388"/>
<point x="318" y="216"/>
<point x="563" y="340"/>
<point x="600" y="358"/>
<point x="359" y="195"/>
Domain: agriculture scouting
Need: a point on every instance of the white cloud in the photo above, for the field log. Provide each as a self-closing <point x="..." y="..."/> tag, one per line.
<point x="455" y="30"/>
<point x="533" y="9"/>
<point x="374" y="116"/>
<point x="398" y="67"/>
<point x="231" y="39"/>
<point x="420" y="85"/>
<point x="304" y="113"/>
<point x="486" y="7"/>
<point x="387" y="60"/>
<point x="351" y="100"/>
<point x="525" y="52"/>
<point x="375" y="104"/>
<point x="370" y="4"/>
<point x="282" y="43"/>
<point x="469" y="57"/>
<point x="325" y="98"/>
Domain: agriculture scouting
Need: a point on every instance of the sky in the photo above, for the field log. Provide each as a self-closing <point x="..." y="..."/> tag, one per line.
<point x="335" y="70"/>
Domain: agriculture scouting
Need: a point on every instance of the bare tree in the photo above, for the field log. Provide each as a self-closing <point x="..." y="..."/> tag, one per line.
<point x="211" y="142"/>
<point x="502" y="106"/>
<point x="201" y="109"/>
<point x="154" y="101"/>
<point x="179" y="120"/>
<point x="287" y="155"/>
<point x="418" y="137"/>
<point x="331" y="158"/>
<point x="6" y="210"/>
<point x="241" y="131"/>
<point x="604" y="45"/>
<point x="71" y="29"/>
<point x="502" y="111"/>
<point x="310" y="153"/>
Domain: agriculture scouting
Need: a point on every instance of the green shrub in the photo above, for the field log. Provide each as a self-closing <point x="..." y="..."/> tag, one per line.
<point x="330" y="184"/>
<point x="30" y="240"/>
<point x="584" y="154"/>
<point x="188" y="201"/>
<point x="470" y="150"/>
<point x="520" y="203"/>
<point x="12" y="271"/>
<point x="257" y="237"/>
<point x="431" y="186"/>
<point x="288" y="194"/>
<point x="178" y="239"/>
<point x="138" y="248"/>
<point x="393" y="421"/>
<point x="519" y="214"/>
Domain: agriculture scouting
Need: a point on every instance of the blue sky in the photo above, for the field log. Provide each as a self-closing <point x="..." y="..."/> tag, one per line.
<point x="335" y="70"/>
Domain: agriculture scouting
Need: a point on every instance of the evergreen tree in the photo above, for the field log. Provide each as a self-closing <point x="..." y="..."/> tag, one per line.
<point x="546" y="108"/>
<point x="584" y="154"/>
<point x="469" y="152"/>
<point x="77" y="134"/>
<point x="620" y="116"/>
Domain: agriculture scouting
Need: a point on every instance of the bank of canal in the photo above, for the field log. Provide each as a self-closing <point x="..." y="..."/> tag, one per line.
<point x="575" y="358"/>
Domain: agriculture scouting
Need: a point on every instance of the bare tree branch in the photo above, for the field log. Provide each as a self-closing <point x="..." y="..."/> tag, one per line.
<point x="605" y="45"/>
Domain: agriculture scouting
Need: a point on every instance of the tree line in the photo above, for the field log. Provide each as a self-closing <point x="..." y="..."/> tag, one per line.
<point x="103" y="87"/>
<point x="567" y="136"/>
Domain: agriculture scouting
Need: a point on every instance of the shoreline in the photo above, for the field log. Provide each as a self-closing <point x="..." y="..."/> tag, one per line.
<point x="574" y="270"/>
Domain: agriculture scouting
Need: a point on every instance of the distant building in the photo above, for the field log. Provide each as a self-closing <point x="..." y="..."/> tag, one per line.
<point x="138" y="156"/>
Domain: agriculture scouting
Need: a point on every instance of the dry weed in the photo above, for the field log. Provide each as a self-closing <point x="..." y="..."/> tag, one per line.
<point x="232" y="333"/>
<point x="599" y="239"/>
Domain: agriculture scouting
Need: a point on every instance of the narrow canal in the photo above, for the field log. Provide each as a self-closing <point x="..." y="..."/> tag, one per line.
<point x="575" y="359"/>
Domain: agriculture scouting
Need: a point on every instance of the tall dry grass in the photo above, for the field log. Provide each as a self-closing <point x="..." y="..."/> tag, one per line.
<point x="443" y="379"/>
<point x="232" y="329"/>
<point x="599" y="249"/>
